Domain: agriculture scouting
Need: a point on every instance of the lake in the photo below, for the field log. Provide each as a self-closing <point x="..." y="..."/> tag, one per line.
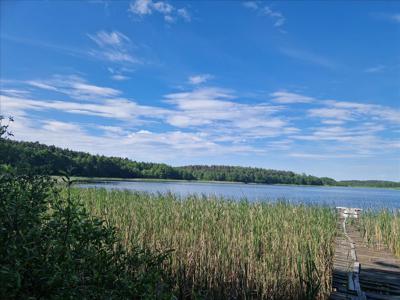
<point x="332" y="196"/>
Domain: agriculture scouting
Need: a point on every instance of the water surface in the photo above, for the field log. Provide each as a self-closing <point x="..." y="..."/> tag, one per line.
<point x="332" y="196"/>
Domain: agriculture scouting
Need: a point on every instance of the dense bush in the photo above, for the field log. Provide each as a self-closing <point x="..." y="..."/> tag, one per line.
<point x="51" y="248"/>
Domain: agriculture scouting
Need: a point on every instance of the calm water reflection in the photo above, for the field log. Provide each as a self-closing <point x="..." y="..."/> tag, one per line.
<point x="332" y="196"/>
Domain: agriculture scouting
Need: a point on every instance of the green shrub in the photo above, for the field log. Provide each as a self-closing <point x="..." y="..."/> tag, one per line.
<point x="51" y="248"/>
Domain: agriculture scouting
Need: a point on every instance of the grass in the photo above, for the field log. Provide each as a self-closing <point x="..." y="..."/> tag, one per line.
<point x="382" y="228"/>
<point x="226" y="249"/>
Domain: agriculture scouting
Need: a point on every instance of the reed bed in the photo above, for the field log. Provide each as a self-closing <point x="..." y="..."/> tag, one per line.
<point x="382" y="228"/>
<point x="223" y="249"/>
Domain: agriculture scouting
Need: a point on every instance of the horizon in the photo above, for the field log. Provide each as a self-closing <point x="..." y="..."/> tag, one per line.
<point x="274" y="85"/>
<point x="205" y="165"/>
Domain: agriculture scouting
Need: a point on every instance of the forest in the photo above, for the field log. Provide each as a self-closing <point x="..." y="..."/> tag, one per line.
<point x="36" y="158"/>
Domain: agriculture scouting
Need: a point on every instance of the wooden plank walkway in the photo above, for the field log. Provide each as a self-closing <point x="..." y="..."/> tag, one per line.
<point x="362" y="272"/>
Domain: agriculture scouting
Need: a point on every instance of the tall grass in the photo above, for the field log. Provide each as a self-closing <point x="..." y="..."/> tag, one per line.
<point x="224" y="249"/>
<point x="382" y="228"/>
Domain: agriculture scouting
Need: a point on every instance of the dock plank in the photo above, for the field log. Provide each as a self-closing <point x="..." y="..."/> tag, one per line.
<point x="377" y="270"/>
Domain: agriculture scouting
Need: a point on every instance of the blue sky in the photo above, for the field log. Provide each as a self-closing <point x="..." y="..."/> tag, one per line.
<point x="305" y="86"/>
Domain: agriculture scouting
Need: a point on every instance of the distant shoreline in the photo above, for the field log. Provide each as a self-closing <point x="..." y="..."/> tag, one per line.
<point x="82" y="180"/>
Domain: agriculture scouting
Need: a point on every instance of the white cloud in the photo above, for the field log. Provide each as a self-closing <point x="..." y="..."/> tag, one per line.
<point x="169" y="19"/>
<point x="143" y="145"/>
<point x="75" y="87"/>
<point x="374" y="111"/>
<point x="113" y="38"/>
<point x="170" y="13"/>
<point x="89" y="90"/>
<point x="201" y="120"/>
<point x="201" y="78"/>
<point x="163" y="7"/>
<point x="251" y="4"/>
<point x="276" y="17"/>
<point x="119" y="74"/>
<point x="356" y="129"/>
<point x="332" y="122"/>
<point x="183" y="12"/>
<point x="116" y="56"/>
<point x="15" y="92"/>
<point x="286" y="97"/>
<point x="330" y="113"/>
<point x="60" y="127"/>
<point x="119" y="109"/>
<point x="339" y="112"/>
<point x="119" y="77"/>
<point x="141" y="7"/>
<point x="113" y="46"/>
<point x="313" y="156"/>
<point x="42" y="85"/>
<point x="214" y="111"/>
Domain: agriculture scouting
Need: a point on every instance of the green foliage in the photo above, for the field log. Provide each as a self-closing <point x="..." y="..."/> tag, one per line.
<point x="253" y="175"/>
<point x="51" y="248"/>
<point x="4" y="132"/>
<point x="50" y="160"/>
<point x="370" y="183"/>
<point x="41" y="159"/>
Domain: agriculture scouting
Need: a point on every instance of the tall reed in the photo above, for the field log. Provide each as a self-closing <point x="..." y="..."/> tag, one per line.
<point x="224" y="249"/>
<point x="382" y="228"/>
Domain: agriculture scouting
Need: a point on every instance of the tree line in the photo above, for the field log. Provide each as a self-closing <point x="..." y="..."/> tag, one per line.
<point x="33" y="157"/>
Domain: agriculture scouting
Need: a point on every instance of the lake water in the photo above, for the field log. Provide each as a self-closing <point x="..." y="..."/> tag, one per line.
<point x="332" y="196"/>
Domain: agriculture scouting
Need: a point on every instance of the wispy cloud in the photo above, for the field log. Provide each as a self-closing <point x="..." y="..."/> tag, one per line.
<point x="113" y="38"/>
<point x="325" y="156"/>
<point x="331" y="113"/>
<point x="119" y="109"/>
<point x="200" y="120"/>
<point x="214" y="111"/>
<point x="309" y="57"/>
<point x="75" y="87"/>
<point x="251" y="4"/>
<point x="353" y="127"/>
<point x="200" y="78"/>
<point x="113" y="46"/>
<point x="167" y="10"/>
<point x="119" y="77"/>
<point x="287" y="97"/>
<point x="120" y="73"/>
<point x="276" y="17"/>
<point x="344" y="110"/>
<point x="15" y="92"/>
<point x="138" y="144"/>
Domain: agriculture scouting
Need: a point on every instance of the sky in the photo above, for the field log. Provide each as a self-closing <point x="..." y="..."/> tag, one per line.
<point x="306" y="86"/>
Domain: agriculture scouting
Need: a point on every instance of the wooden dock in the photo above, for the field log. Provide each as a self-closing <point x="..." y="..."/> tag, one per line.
<point x="361" y="271"/>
